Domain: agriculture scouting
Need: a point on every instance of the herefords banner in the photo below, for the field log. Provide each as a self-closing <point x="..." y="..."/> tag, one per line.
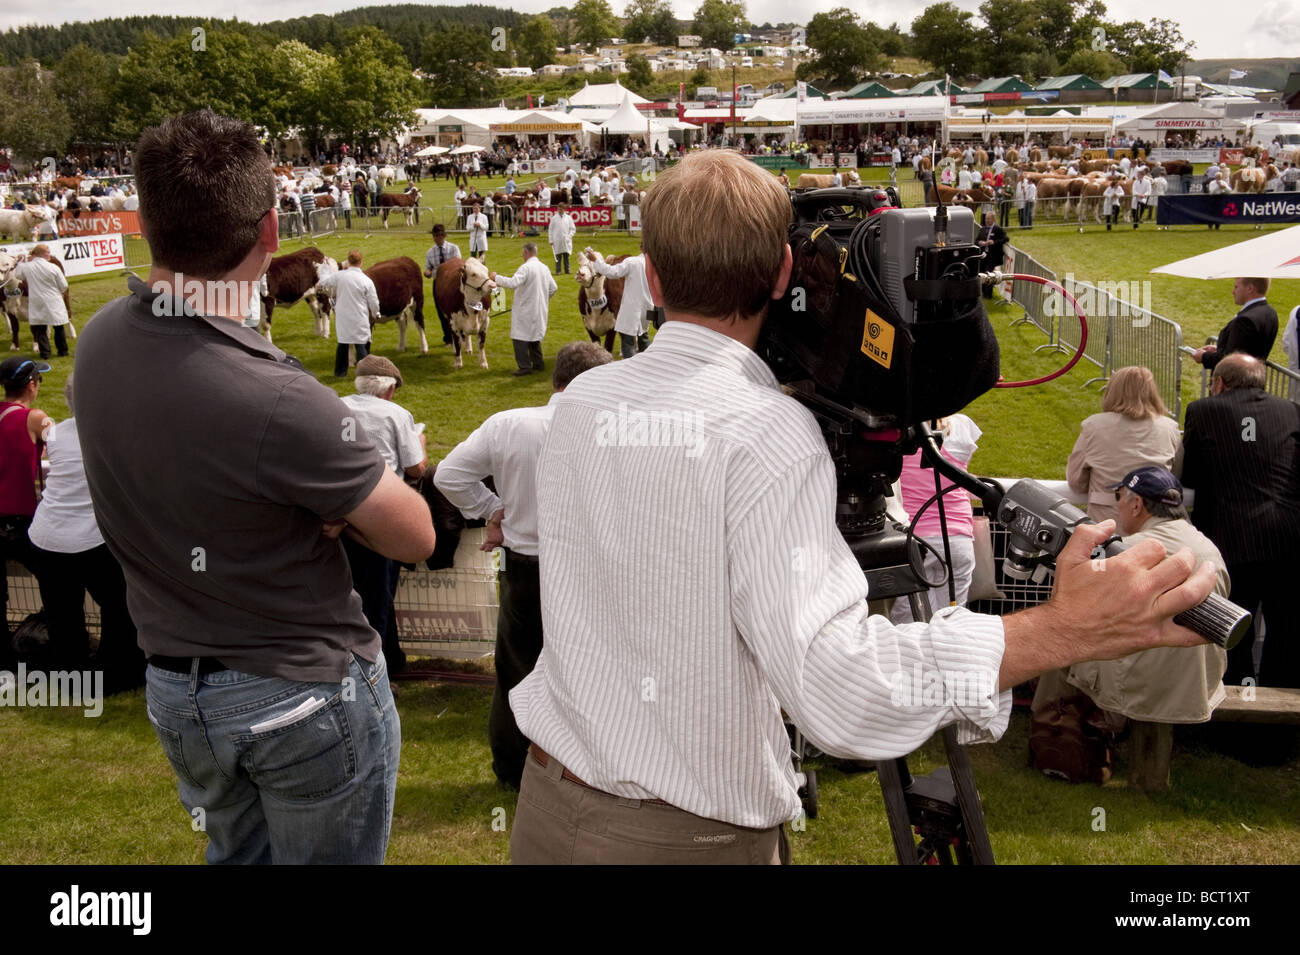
<point x="81" y="256"/>
<point x="555" y="165"/>
<point x="582" y="215"/>
<point x="99" y="223"/>
<point x="1228" y="209"/>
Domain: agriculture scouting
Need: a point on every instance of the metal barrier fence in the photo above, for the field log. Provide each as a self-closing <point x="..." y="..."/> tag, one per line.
<point x="1120" y="332"/>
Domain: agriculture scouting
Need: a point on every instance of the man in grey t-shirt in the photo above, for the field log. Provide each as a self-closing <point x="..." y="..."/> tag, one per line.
<point x="222" y="476"/>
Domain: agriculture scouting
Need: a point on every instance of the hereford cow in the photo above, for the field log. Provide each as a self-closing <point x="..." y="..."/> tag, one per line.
<point x="1177" y="167"/>
<point x="813" y="180"/>
<point x="599" y="299"/>
<point x="292" y="277"/>
<point x="462" y="291"/>
<point x="401" y="296"/>
<point x="408" y="202"/>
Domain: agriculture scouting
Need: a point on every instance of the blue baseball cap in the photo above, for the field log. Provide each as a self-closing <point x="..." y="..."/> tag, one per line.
<point x="1154" y="483"/>
<point x="16" y="372"/>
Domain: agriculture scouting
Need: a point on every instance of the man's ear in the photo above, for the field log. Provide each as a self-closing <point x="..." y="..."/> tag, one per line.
<point x="268" y="231"/>
<point x="783" y="276"/>
<point x="652" y="281"/>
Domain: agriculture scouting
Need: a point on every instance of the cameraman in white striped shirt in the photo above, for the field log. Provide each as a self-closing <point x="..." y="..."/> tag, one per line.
<point x="679" y="623"/>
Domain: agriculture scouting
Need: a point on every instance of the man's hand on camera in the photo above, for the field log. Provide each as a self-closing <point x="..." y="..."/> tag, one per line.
<point x="1105" y="609"/>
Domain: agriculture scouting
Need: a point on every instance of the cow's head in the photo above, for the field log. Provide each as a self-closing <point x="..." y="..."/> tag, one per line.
<point x="328" y="267"/>
<point x="475" y="285"/>
<point x="413" y="191"/>
<point x="7" y="265"/>
<point x="585" y="275"/>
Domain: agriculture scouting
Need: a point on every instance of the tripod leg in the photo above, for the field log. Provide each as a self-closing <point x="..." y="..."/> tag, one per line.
<point x="893" y="776"/>
<point x="968" y="799"/>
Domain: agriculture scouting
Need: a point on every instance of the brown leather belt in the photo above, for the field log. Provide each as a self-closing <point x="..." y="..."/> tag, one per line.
<point x="543" y="760"/>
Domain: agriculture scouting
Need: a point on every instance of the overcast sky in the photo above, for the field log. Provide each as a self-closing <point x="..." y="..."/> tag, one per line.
<point x="1267" y="29"/>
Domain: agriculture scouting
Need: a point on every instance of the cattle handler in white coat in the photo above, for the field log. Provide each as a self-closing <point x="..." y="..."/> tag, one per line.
<point x="561" y="232"/>
<point x="356" y="305"/>
<point x="533" y="287"/>
<point x="477" y="223"/>
<point x="46" y="306"/>
<point x="633" y="321"/>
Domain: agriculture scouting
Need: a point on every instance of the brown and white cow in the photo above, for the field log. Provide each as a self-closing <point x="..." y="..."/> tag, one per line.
<point x="1253" y="178"/>
<point x="408" y="202"/>
<point x="599" y="299"/>
<point x="400" y="285"/>
<point x="292" y="277"/>
<point x="463" y="290"/>
<point x="815" y="180"/>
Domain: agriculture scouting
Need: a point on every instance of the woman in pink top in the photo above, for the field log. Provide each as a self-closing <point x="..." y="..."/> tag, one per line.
<point x="960" y="439"/>
<point x="1132" y="431"/>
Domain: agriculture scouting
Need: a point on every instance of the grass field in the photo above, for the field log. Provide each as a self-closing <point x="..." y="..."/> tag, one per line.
<point x="100" y="791"/>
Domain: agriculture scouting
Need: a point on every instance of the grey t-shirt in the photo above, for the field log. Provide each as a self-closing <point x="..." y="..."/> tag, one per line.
<point x="211" y="466"/>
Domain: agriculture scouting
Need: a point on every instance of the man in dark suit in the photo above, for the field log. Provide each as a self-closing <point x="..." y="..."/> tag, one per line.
<point x="993" y="240"/>
<point x="1241" y="454"/>
<point x="1252" y="330"/>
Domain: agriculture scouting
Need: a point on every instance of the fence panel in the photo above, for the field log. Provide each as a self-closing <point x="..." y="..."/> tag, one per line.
<point x="1141" y="337"/>
<point x="1279" y="381"/>
<point x="1030" y="295"/>
<point x="1098" y="306"/>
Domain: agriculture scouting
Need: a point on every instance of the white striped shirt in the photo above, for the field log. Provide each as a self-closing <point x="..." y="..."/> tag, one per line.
<point x="694" y="584"/>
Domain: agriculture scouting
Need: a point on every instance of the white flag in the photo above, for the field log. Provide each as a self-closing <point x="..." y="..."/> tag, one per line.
<point x="802" y="93"/>
<point x="541" y="99"/>
<point x="1236" y="74"/>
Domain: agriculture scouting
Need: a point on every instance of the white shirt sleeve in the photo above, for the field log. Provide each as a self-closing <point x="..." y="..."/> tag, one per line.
<point x="855" y="684"/>
<point x="514" y="281"/>
<point x="409" y="452"/>
<point x="460" y="474"/>
<point x="618" y="270"/>
<point x="372" y="296"/>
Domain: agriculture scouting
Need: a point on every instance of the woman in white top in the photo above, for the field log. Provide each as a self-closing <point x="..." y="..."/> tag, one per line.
<point x="478" y="229"/>
<point x="1132" y="431"/>
<point x="71" y="559"/>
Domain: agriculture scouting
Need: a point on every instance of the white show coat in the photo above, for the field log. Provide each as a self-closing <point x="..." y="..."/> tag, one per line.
<point x="1141" y="191"/>
<point x="636" y="294"/>
<point x="478" y="226"/>
<point x="561" y="232"/>
<point x="45" y="287"/>
<point x="355" y="300"/>
<point x="531" y="306"/>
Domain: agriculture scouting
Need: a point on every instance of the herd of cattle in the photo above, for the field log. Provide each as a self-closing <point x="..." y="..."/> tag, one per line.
<point x="462" y="294"/>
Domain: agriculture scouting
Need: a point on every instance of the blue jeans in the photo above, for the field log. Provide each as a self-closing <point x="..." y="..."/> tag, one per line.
<point x="316" y="787"/>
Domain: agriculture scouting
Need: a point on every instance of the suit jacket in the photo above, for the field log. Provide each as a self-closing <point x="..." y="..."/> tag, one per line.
<point x="1241" y="454"/>
<point x="993" y="253"/>
<point x="1251" y="330"/>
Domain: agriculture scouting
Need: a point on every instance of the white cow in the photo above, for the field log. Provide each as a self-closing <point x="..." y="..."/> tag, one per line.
<point x="387" y="176"/>
<point x="18" y="224"/>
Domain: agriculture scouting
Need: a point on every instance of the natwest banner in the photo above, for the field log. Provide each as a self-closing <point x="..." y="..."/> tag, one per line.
<point x="582" y="215"/>
<point x="81" y="256"/>
<point x="126" y="222"/>
<point x="1228" y="208"/>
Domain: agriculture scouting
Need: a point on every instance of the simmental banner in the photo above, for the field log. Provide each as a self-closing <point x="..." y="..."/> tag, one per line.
<point x="1228" y="208"/>
<point x="582" y="215"/>
<point x="99" y="223"/>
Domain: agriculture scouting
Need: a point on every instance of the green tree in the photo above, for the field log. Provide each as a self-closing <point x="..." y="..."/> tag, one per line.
<point x="536" y="41"/>
<point x="639" y="75"/>
<point x="84" y="79"/>
<point x="650" y="18"/>
<point x="942" y="36"/>
<point x="1151" y="46"/>
<point x="308" y="89"/>
<point x="718" y="21"/>
<point x="34" y="122"/>
<point x="1098" y="64"/>
<point x="845" y="51"/>
<point x="379" y="93"/>
<point x="457" y="62"/>
<point x="1007" y="39"/>
<point x="593" y="22"/>
<point x="699" y="78"/>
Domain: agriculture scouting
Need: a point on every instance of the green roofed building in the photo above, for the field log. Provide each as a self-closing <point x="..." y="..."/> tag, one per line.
<point x="1075" y="82"/>
<point x="1001" y="84"/>
<point x="793" y="91"/>
<point x="869" y="89"/>
<point x="934" y="88"/>
<point x="1139" y="81"/>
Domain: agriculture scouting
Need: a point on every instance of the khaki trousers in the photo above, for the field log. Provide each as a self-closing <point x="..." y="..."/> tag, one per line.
<point x="559" y="822"/>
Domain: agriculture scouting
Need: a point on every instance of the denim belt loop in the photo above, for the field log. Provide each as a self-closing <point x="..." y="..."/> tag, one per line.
<point x="194" y="685"/>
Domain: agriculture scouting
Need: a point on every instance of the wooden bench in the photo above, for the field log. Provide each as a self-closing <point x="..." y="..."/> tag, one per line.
<point x="1153" y="743"/>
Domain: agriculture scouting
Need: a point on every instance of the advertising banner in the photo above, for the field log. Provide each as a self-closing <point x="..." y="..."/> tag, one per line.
<point x="555" y="165"/>
<point x="582" y="216"/>
<point x="1190" y="155"/>
<point x="126" y="222"/>
<point x="81" y="256"/>
<point x="1228" y="209"/>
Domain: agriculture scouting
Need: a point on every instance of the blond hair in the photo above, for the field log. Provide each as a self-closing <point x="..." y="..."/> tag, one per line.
<point x="1132" y="392"/>
<point x="715" y="227"/>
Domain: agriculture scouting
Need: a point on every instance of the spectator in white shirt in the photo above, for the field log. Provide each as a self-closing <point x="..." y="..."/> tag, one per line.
<point x="507" y="446"/>
<point x="529" y="310"/>
<point x="561" y="231"/>
<point x="71" y="558"/>
<point x="632" y="322"/>
<point x="47" y="304"/>
<point x="356" y="309"/>
<point x="401" y="443"/>
<point x="477" y="223"/>
<point x="1141" y="193"/>
<point x="673" y="689"/>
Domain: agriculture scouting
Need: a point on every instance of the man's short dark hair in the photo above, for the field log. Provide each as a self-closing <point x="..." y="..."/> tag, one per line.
<point x="575" y="358"/>
<point x="205" y="183"/>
